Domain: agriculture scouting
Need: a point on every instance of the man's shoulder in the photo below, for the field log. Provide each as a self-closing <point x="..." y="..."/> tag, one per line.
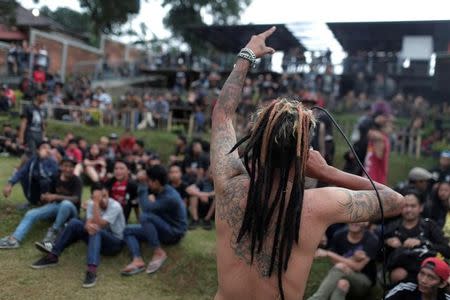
<point x="402" y="289"/>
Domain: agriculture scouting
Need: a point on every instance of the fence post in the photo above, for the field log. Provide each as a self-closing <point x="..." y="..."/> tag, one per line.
<point x="403" y="144"/>
<point x="418" y="144"/>
<point x="191" y="125"/>
<point x="169" y="122"/>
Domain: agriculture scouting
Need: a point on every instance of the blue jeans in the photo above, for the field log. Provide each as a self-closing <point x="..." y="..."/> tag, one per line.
<point x="60" y="211"/>
<point x="103" y="242"/>
<point x="152" y="229"/>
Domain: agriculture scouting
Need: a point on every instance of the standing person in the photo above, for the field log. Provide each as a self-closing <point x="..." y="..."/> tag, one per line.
<point x="102" y="231"/>
<point x="353" y="252"/>
<point x="268" y="227"/>
<point x="431" y="282"/>
<point x="163" y="221"/>
<point x="32" y="126"/>
<point x="378" y="151"/>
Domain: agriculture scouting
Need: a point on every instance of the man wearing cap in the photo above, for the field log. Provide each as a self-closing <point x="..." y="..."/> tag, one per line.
<point x="419" y="179"/>
<point x="60" y="202"/>
<point x="431" y="281"/>
<point x="32" y="127"/>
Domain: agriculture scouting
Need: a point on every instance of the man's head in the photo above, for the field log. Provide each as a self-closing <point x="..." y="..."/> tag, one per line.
<point x="432" y="276"/>
<point x="157" y="177"/>
<point x="420" y="178"/>
<point x="197" y="148"/>
<point x="444" y="160"/>
<point x="443" y="192"/>
<point x="72" y="144"/>
<point x="43" y="149"/>
<point x="275" y="154"/>
<point x="181" y="141"/>
<point x="413" y="206"/>
<point x="67" y="166"/>
<point x="175" y="173"/>
<point x="40" y="96"/>
<point x="100" y="193"/>
<point x="357" y="227"/>
<point x="121" y="170"/>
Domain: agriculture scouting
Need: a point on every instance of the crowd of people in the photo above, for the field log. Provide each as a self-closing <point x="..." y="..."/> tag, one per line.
<point x="125" y="178"/>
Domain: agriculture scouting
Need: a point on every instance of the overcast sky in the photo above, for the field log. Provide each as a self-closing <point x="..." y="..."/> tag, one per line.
<point x="289" y="11"/>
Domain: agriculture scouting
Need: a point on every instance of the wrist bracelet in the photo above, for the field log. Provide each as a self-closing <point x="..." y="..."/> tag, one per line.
<point x="249" y="55"/>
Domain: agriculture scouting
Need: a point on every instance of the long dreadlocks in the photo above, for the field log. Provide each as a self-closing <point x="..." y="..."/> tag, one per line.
<point x="277" y="146"/>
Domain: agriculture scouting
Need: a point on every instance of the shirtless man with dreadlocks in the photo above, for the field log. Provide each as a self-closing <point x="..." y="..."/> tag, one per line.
<point x="268" y="226"/>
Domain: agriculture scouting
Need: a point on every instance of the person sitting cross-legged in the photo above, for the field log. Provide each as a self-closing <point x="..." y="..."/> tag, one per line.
<point x="102" y="231"/>
<point x="202" y="202"/>
<point x="163" y="220"/>
<point x="353" y="252"/>
<point x="60" y="203"/>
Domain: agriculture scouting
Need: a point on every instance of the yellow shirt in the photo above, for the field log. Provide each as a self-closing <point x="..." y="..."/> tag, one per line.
<point x="447" y="225"/>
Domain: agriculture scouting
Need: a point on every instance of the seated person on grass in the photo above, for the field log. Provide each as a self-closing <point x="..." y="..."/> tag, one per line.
<point x="102" y="231"/>
<point x="411" y="239"/>
<point x="94" y="165"/>
<point x="61" y="203"/>
<point x="352" y="251"/>
<point x="35" y="176"/>
<point x="163" y="220"/>
<point x="123" y="189"/>
<point x="201" y="202"/>
<point x="431" y="282"/>
<point x="176" y="181"/>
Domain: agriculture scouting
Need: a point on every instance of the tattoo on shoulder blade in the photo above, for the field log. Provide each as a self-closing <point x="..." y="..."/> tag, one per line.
<point x="229" y="209"/>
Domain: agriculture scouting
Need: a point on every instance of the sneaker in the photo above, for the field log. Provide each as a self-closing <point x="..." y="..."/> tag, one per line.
<point x="51" y="235"/>
<point x="43" y="246"/>
<point x="207" y="225"/>
<point x="90" y="279"/>
<point x="45" y="262"/>
<point x="9" y="242"/>
<point x="193" y="225"/>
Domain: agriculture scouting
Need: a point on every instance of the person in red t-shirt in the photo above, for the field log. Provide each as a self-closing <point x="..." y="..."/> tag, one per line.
<point x="122" y="189"/>
<point x="75" y="154"/>
<point x="126" y="143"/>
<point x="39" y="76"/>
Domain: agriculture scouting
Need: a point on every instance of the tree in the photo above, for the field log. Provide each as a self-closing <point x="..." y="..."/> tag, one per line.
<point x="8" y="12"/>
<point x="108" y="15"/>
<point x="71" y="19"/>
<point x="183" y="14"/>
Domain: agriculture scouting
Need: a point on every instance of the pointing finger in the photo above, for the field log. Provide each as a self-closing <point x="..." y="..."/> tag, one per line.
<point x="268" y="32"/>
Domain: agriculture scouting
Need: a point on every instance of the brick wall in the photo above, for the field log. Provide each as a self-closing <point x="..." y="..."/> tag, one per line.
<point x="3" y="55"/>
<point x="135" y="54"/>
<point x="114" y="51"/>
<point x="75" y="55"/>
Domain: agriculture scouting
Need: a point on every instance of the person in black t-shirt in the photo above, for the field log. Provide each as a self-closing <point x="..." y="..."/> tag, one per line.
<point x="201" y="202"/>
<point x="175" y="180"/>
<point x="32" y="128"/>
<point x="61" y="203"/>
<point x="411" y="239"/>
<point x="353" y="251"/>
<point x="196" y="163"/>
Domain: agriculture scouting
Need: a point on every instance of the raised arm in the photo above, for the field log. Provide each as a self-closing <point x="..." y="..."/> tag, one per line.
<point x="355" y="200"/>
<point x="223" y="136"/>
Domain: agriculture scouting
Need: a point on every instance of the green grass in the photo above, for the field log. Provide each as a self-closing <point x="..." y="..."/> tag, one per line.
<point x="190" y="272"/>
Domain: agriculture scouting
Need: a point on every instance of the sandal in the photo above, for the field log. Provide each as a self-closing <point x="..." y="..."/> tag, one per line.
<point x="132" y="270"/>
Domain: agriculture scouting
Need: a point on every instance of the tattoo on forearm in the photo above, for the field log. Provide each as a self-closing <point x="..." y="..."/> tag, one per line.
<point x="230" y="96"/>
<point x="364" y="206"/>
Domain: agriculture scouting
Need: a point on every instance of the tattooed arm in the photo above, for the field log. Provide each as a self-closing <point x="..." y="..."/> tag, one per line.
<point x="340" y="205"/>
<point x="223" y="137"/>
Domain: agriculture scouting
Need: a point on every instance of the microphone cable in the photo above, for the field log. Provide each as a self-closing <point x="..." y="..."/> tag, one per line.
<point x="383" y="246"/>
